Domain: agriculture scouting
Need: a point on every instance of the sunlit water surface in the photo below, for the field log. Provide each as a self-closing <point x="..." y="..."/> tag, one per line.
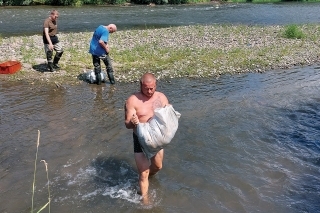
<point x="245" y="143"/>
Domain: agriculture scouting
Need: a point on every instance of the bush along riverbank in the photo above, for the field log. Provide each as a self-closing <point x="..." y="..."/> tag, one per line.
<point x="186" y="51"/>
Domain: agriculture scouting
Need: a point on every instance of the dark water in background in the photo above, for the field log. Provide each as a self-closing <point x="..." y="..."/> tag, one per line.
<point x="29" y="20"/>
<point x="246" y="143"/>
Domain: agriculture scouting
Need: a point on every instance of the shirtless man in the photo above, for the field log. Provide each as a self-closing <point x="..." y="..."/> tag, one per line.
<point x="140" y="107"/>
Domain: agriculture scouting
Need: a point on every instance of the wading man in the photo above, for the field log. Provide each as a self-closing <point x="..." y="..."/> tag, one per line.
<point x="140" y="107"/>
<point x="51" y="41"/>
<point x="99" y="50"/>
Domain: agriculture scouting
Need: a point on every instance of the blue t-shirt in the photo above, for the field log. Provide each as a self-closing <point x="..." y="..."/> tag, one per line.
<point x="101" y="33"/>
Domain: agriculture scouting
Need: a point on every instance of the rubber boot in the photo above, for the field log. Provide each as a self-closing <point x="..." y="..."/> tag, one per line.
<point x="56" y="60"/>
<point x="97" y="71"/>
<point x="49" y="59"/>
<point x="111" y="78"/>
<point x="107" y="61"/>
<point x="50" y="67"/>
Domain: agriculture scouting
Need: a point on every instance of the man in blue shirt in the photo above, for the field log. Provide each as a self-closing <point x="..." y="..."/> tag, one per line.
<point x="99" y="49"/>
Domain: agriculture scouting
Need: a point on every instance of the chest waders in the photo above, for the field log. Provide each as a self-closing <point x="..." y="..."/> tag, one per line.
<point x="53" y="63"/>
<point x="97" y="68"/>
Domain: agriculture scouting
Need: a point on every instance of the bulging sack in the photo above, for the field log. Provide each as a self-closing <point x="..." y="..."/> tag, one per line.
<point x="158" y="131"/>
<point x="91" y="77"/>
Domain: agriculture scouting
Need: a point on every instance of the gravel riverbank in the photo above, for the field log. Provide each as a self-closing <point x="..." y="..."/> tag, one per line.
<point x="187" y="51"/>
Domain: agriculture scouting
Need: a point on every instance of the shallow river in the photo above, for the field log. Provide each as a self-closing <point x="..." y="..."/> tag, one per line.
<point x="245" y="143"/>
<point x="29" y="20"/>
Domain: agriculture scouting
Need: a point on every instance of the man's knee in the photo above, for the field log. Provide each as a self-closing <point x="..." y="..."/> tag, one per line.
<point x="108" y="63"/>
<point x="59" y="53"/>
<point x="144" y="175"/>
<point x="58" y="48"/>
<point x="97" y="70"/>
<point x="49" y="55"/>
<point x="154" y="168"/>
<point x="158" y="167"/>
<point x="96" y="65"/>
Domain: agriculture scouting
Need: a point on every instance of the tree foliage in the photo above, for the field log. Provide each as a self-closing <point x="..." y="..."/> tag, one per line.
<point x="92" y="2"/>
<point x="115" y="2"/>
<point x="59" y="2"/>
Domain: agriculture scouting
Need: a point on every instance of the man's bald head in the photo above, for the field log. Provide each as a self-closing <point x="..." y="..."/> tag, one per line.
<point x="148" y="84"/>
<point x="112" y="28"/>
<point x="148" y="78"/>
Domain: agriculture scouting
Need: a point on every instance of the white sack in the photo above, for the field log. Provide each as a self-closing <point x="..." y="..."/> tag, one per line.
<point x="158" y="131"/>
<point x="91" y="77"/>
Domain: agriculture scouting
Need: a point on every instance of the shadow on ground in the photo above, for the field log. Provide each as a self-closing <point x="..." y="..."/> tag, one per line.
<point x="40" y="68"/>
<point x="83" y="77"/>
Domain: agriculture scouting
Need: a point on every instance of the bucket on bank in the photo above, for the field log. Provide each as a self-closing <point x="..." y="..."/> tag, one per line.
<point x="10" y="67"/>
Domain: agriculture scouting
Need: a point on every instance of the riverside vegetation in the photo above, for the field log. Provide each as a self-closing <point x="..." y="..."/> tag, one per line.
<point x="79" y="3"/>
<point x="185" y="51"/>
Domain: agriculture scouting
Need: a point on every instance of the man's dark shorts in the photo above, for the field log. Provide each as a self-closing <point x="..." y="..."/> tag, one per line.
<point x="136" y="144"/>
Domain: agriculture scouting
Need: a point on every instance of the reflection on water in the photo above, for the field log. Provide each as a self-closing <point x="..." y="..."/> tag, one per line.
<point x="246" y="143"/>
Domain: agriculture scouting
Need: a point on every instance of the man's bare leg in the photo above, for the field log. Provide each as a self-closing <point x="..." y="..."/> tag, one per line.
<point x="142" y="163"/>
<point x="156" y="163"/>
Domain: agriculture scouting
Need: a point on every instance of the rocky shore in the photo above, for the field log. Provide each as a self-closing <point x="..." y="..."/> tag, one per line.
<point x="186" y="51"/>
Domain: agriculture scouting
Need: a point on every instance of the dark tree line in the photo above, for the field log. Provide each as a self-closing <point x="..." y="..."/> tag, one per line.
<point x="100" y="2"/>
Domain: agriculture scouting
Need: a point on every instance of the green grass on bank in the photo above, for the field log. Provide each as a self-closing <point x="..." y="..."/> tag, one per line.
<point x="190" y="51"/>
<point x="293" y="31"/>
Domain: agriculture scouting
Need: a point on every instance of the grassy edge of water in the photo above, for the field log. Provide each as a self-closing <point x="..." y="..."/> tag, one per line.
<point x="186" y="51"/>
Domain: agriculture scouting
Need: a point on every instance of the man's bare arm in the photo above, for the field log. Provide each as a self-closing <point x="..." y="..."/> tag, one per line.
<point x="104" y="45"/>
<point x="164" y="100"/>
<point x="129" y="113"/>
<point x="46" y="32"/>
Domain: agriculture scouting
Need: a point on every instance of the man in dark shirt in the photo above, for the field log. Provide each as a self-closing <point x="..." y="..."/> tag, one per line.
<point x="51" y="41"/>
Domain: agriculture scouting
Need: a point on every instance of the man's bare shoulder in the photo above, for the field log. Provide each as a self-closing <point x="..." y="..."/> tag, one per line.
<point x="160" y="93"/>
<point x="163" y="97"/>
<point x="134" y="97"/>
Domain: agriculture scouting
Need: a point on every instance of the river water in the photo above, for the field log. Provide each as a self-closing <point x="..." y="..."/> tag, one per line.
<point x="29" y="20"/>
<point x="245" y="143"/>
